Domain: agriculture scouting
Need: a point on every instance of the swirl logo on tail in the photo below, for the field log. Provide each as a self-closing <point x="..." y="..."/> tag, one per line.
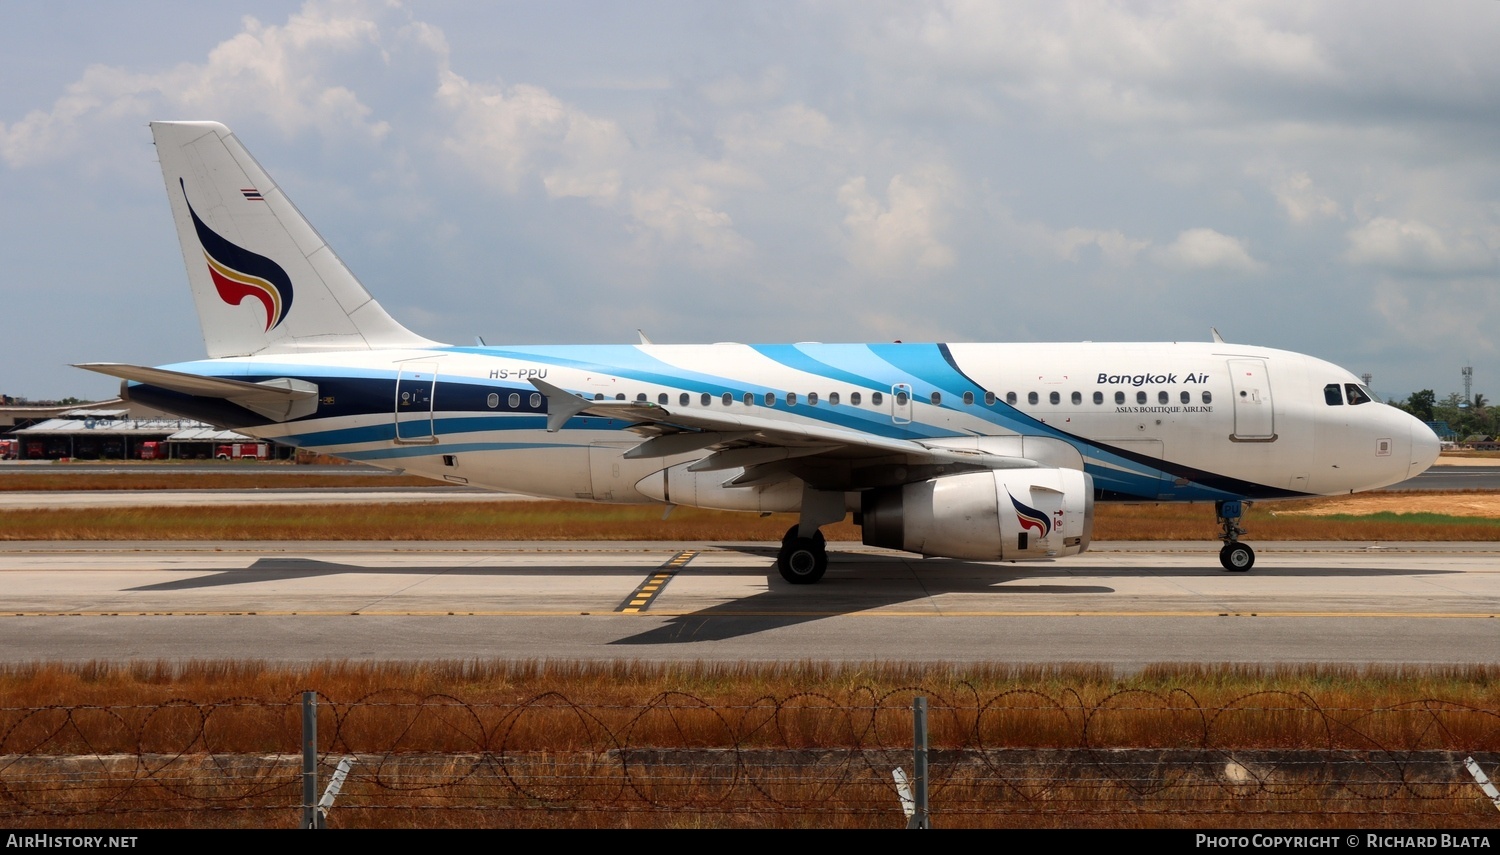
<point x="1031" y="518"/>
<point x="238" y="273"/>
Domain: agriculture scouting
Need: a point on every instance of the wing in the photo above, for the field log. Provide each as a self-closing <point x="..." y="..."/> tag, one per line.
<point x="771" y="449"/>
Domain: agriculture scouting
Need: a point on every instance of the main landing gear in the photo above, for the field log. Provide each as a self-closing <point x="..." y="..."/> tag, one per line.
<point x="1235" y="556"/>
<point x="802" y="560"/>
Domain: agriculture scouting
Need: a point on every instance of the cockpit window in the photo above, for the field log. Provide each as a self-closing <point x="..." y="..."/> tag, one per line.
<point x="1358" y="394"/>
<point x="1332" y="395"/>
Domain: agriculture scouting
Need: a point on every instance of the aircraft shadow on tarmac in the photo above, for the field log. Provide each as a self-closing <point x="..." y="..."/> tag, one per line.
<point x="786" y="605"/>
<point x="266" y="569"/>
<point x="855" y="583"/>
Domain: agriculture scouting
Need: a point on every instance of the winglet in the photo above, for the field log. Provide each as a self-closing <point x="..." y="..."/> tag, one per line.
<point x="1218" y="339"/>
<point x="642" y="334"/>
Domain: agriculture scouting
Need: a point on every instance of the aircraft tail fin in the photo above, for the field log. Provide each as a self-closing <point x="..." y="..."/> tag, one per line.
<point x="263" y="279"/>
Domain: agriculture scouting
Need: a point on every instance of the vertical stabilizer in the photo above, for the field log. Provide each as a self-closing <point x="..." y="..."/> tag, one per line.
<point x="263" y="279"/>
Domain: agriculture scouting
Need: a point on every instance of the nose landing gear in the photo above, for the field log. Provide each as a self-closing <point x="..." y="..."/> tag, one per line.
<point x="1236" y="557"/>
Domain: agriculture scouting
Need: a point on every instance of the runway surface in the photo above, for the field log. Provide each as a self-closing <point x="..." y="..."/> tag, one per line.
<point x="1123" y="605"/>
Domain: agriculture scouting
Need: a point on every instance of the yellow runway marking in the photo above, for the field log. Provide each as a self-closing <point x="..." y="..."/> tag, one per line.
<point x="641" y="598"/>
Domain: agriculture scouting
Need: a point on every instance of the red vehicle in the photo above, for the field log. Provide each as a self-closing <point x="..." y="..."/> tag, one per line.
<point x="243" y="451"/>
<point x="10" y="449"/>
<point x="153" y="450"/>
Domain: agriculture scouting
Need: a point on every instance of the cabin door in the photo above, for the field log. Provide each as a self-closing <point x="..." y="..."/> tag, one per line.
<point x="1254" y="418"/>
<point x="416" y="385"/>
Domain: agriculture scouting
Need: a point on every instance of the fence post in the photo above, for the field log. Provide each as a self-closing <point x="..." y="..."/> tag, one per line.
<point x="919" y="818"/>
<point x="310" y="814"/>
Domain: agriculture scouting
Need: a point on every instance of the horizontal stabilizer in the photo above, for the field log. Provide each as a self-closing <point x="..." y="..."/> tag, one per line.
<point x="281" y="399"/>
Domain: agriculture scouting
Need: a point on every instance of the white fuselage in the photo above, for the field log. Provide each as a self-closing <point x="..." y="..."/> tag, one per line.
<point x="1149" y="422"/>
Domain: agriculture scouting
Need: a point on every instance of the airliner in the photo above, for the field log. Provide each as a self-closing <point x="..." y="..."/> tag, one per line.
<point x="982" y="452"/>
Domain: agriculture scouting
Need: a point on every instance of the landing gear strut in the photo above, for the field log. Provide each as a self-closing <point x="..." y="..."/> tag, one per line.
<point x="1235" y="556"/>
<point x="802" y="560"/>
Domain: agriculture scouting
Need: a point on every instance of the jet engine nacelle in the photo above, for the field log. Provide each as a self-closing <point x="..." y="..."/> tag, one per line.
<point x="1009" y="515"/>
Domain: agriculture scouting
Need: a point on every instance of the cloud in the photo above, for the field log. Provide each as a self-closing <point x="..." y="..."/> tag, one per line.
<point x="1113" y="244"/>
<point x="1112" y="62"/>
<point x="504" y="135"/>
<point x="1301" y="201"/>
<point x="278" y="74"/>
<point x="901" y="235"/>
<point x="1206" y="249"/>
<point x="1413" y="247"/>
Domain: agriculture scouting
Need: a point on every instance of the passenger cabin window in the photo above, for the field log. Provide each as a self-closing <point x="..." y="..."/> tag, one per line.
<point x="1098" y="398"/>
<point x="536" y="399"/>
<point x="791" y="399"/>
<point x="1358" y="394"/>
<point x="1119" y="397"/>
<point x="1054" y="398"/>
<point x="833" y="399"/>
<point x="770" y="399"/>
<point x="1208" y="397"/>
<point x="969" y="399"/>
<point x="902" y="398"/>
<point x="1140" y="397"/>
<point x="598" y="396"/>
<point x="682" y="400"/>
<point x="812" y="399"/>
<point x="1031" y="398"/>
<point x="661" y="398"/>
<point x="989" y="399"/>
<point x="937" y="398"/>
<point x="1333" y="396"/>
<point x="640" y="397"/>
<point x="1077" y="398"/>
<point x="727" y="398"/>
<point x="1010" y="398"/>
<point x="1161" y="397"/>
<point x="1186" y="396"/>
<point x="493" y="400"/>
<point x="876" y="398"/>
<point x="705" y="399"/>
<point x="853" y="398"/>
<point x="749" y="399"/>
<point x="619" y="396"/>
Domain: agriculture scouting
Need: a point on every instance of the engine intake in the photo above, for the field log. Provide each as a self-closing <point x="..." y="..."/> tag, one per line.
<point x="1008" y="515"/>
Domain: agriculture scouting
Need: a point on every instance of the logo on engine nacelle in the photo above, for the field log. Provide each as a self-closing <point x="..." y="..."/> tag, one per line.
<point x="1030" y="518"/>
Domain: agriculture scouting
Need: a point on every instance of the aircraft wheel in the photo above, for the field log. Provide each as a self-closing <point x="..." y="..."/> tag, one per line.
<point x="791" y="535"/>
<point x="1237" y="557"/>
<point x="803" y="561"/>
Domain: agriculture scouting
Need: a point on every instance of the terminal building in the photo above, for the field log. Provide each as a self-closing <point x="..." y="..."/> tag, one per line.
<point x="115" y="430"/>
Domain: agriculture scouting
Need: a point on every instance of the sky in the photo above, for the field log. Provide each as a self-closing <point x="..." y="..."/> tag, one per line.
<point x="1318" y="177"/>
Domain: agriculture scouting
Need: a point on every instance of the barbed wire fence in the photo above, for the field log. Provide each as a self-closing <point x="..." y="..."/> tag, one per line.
<point x="1021" y="758"/>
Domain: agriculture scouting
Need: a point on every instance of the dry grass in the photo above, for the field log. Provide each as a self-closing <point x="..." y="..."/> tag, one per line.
<point x="687" y="705"/>
<point x="524" y="521"/>
<point x="556" y="745"/>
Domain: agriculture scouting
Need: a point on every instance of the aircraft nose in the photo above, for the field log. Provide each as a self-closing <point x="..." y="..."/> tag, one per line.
<point x="1424" y="448"/>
